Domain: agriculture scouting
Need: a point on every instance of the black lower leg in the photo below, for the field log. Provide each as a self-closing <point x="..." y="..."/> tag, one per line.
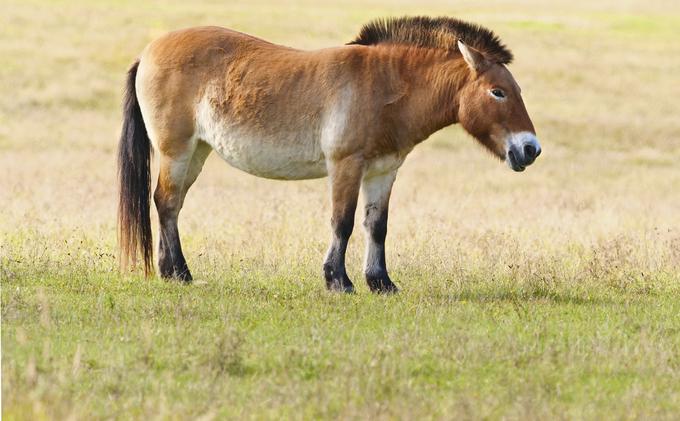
<point x="376" y="268"/>
<point x="171" y="262"/>
<point x="334" y="266"/>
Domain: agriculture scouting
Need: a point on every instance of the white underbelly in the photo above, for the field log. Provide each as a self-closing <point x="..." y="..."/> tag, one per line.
<point x="285" y="159"/>
<point x="284" y="156"/>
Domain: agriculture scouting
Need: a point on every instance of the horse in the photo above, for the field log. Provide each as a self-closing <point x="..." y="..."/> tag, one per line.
<point x="352" y="113"/>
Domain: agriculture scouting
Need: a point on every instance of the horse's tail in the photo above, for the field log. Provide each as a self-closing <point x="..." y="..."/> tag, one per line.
<point x="134" y="178"/>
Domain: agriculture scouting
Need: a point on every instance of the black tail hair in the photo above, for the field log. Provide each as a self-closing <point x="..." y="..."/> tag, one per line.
<point x="134" y="178"/>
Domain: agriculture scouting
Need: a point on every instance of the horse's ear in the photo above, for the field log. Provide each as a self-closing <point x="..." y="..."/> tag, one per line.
<point x="473" y="58"/>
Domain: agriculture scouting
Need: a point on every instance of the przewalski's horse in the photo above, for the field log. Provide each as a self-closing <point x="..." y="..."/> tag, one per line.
<point x="352" y="113"/>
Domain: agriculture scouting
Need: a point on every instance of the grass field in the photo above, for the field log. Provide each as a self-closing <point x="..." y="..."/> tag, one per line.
<point x="554" y="293"/>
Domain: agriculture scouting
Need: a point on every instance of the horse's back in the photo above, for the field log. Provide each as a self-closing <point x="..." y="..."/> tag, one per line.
<point x="200" y="45"/>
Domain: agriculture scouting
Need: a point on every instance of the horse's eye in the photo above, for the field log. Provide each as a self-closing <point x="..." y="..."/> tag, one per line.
<point x="498" y="93"/>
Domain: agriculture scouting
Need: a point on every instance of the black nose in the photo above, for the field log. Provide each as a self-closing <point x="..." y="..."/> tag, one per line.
<point x="530" y="152"/>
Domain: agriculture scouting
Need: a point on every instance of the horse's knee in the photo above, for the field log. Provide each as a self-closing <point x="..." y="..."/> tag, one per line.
<point x="167" y="200"/>
<point x="375" y="223"/>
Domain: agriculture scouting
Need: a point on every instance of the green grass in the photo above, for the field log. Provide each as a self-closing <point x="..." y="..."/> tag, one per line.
<point x="256" y="346"/>
<point x="254" y="342"/>
<point x="554" y="293"/>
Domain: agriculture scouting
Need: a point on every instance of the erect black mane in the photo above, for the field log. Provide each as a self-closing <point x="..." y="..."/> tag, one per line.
<point x="440" y="33"/>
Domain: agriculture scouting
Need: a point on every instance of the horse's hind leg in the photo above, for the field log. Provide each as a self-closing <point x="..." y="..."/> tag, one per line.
<point x="178" y="171"/>
<point x="197" y="160"/>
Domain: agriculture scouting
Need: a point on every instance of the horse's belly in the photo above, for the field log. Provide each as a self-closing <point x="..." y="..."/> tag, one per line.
<point x="286" y="157"/>
<point x="268" y="154"/>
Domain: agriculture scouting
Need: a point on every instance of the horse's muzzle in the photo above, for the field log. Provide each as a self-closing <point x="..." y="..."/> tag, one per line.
<point x="522" y="149"/>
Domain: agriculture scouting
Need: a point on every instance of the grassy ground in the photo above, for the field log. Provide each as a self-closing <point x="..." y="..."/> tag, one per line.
<point x="552" y="293"/>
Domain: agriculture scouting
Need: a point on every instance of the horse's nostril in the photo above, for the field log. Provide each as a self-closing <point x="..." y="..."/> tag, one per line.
<point x="530" y="151"/>
<point x="538" y="153"/>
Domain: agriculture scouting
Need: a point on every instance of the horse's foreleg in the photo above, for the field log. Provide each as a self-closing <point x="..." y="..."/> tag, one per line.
<point x="376" y="191"/>
<point x="177" y="174"/>
<point x="345" y="176"/>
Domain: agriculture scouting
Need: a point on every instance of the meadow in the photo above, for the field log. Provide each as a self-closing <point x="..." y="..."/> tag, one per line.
<point x="550" y="294"/>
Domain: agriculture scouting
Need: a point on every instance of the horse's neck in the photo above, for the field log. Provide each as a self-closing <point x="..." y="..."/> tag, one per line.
<point x="433" y="82"/>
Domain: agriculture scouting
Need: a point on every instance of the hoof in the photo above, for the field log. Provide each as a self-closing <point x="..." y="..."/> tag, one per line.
<point x="381" y="284"/>
<point x="340" y="285"/>
<point x="183" y="275"/>
<point x="337" y="281"/>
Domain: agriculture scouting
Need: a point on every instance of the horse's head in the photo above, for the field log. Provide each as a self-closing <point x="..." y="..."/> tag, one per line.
<point x="491" y="109"/>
